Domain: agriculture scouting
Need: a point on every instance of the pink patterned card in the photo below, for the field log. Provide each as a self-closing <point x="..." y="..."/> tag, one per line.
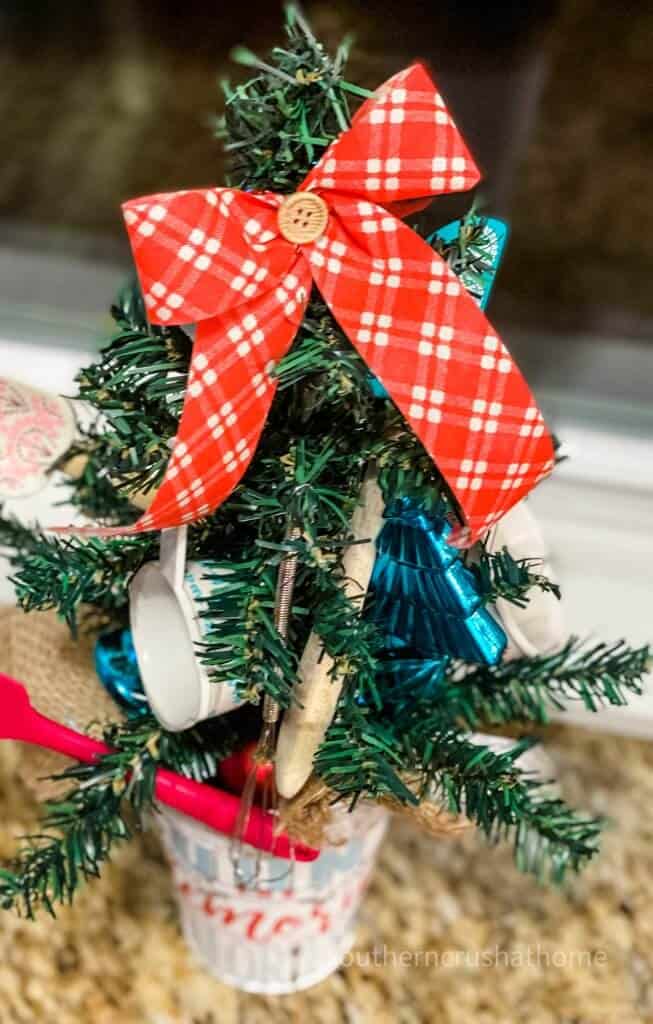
<point x="36" y="428"/>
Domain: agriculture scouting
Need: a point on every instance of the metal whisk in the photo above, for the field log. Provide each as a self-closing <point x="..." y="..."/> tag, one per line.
<point x="247" y="864"/>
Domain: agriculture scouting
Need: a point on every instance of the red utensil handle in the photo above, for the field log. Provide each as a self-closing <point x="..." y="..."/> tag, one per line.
<point x="213" y="807"/>
<point x="191" y="798"/>
<point x="44" y="732"/>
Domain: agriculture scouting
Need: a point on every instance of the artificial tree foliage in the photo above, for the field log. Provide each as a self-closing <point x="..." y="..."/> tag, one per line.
<point x="325" y="425"/>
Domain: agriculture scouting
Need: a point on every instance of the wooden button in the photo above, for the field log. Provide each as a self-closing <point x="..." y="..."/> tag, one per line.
<point x="302" y="217"/>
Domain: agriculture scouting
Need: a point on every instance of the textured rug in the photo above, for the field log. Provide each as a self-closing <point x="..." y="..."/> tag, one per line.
<point x="449" y="931"/>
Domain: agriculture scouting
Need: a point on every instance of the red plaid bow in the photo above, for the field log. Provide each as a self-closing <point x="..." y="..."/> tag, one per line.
<point x="219" y="257"/>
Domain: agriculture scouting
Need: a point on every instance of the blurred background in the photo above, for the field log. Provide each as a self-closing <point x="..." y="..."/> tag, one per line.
<point x="112" y="99"/>
<point x="108" y="100"/>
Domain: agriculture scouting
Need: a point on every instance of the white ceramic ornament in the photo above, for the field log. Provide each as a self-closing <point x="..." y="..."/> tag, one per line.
<point x="165" y="605"/>
<point x="36" y="429"/>
<point x="539" y="628"/>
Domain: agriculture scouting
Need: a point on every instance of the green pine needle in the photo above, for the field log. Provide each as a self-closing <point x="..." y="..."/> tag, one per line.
<point x="526" y="689"/>
<point x="549" y="838"/>
<point x="66" y="574"/>
<point x="500" y="575"/>
<point x="103" y="809"/>
<point x="280" y="122"/>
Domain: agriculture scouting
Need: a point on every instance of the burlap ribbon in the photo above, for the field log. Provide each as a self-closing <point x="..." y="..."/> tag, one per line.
<point x="308" y="816"/>
<point x="38" y="650"/>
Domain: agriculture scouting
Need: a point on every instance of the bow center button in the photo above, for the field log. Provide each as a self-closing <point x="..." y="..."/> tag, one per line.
<point x="302" y="217"/>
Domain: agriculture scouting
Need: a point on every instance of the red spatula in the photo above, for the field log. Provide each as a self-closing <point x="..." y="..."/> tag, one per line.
<point x="214" y="807"/>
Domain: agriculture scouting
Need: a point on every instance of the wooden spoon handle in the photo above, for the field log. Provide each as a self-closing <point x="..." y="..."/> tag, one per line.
<point x="305" y="724"/>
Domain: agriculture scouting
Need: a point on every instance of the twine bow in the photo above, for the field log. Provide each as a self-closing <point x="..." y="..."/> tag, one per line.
<point x="241" y="265"/>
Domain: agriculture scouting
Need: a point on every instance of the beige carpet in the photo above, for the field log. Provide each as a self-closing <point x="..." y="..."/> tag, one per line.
<point x="508" y="950"/>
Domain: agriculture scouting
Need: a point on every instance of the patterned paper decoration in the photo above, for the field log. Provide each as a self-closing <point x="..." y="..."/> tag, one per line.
<point x="36" y="429"/>
<point x="487" y="249"/>
<point x="227" y="260"/>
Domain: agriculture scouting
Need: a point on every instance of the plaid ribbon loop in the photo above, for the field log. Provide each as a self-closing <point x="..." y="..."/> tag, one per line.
<point x="217" y="257"/>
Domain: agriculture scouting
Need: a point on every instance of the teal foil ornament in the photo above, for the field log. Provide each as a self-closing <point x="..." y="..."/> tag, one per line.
<point x="425" y="600"/>
<point x="117" y="669"/>
<point x="399" y="679"/>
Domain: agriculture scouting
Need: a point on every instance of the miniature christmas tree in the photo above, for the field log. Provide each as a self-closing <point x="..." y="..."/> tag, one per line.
<point x="291" y="495"/>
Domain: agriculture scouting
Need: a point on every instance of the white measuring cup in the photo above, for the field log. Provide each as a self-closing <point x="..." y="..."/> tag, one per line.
<point x="165" y="605"/>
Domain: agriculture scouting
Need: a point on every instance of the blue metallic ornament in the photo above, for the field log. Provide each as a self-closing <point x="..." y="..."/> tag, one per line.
<point x="425" y="600"/>
<point x="117" y="669"/>
<point x="399" y="679"/>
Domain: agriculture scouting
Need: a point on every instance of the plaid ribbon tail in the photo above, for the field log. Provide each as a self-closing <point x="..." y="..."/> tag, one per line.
<point x="230" y="389"/>
<point x="444" y="366"/>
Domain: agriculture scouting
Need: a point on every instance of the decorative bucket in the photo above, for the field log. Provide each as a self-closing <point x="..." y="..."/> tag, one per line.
<point x="296" y="926"/>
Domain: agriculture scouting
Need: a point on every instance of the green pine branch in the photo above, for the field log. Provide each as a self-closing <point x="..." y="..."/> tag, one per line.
<point x="90" y="490"/>
<point x="17" y="540"/>
<point x="67" y="573"/>
<point x="327" y="366"/>
<point x="49" y="869"/>
<point x="103" y="809"/>
<point x="278" y="123"/>
<point x="549" y="838"/>
<point x="526" y="689"/>
<point x="301" y="485"/>
<point x="361" y="758"/>
<point x="500" y="575"/>
<point x="242" y="648"/>
<point x="370" y="750"/>
<point x="141" y="366"/>
<point x="137" y="385"/>
<point x="352" y="641"/>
